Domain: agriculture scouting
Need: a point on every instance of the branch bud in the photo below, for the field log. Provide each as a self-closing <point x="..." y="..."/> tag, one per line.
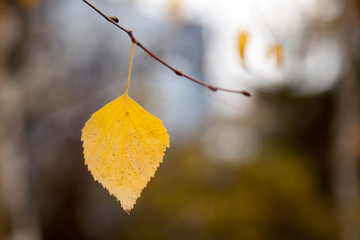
<point x="115" y="19"/>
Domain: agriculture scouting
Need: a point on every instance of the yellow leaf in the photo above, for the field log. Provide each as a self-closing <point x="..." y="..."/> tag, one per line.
<point x="277" y="51"/>
<point x="123" y="147"/>
<point x="242" y="43"/>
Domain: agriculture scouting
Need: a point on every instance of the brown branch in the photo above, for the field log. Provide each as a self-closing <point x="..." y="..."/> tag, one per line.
<point x="114" y="20"/>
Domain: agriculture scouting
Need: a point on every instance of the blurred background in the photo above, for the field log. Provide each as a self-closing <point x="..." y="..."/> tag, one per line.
<point x="283" y="164"/>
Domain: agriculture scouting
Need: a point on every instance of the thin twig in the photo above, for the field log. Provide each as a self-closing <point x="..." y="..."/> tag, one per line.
<point x="114" y="20"/>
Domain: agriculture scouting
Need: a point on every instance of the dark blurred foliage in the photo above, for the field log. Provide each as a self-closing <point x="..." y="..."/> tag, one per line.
<point x="284" y="191"/>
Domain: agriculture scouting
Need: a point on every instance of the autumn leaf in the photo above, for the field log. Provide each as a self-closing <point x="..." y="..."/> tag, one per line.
<point x="123" y="147"/>
<point x="242" y="43"/>
<point x="276" y="51"/>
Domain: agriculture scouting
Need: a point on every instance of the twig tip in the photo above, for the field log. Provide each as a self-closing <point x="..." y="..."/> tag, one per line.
<point x="246" y="93"/>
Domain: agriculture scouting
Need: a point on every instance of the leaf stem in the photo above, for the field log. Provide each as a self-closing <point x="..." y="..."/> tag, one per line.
<point x="130" y="67"/>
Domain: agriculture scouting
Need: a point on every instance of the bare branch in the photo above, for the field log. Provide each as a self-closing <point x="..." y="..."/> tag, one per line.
<point x="114" y="20"/>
